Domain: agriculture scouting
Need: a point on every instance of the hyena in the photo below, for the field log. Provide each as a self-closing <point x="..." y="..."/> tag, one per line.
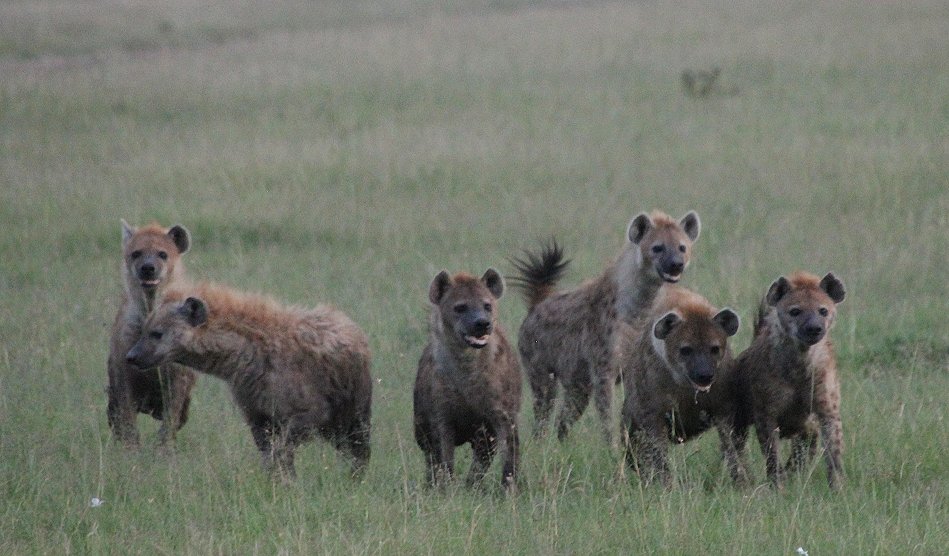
<point x="151" y="264"/>
<point x="678" y="382"/>
<point x="294" y="373"/>
<point x="570" y="337"/>
<point x="468" y="387"/>
<point x="788" y="375"/>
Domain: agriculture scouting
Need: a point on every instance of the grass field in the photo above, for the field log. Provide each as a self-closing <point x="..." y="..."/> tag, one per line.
<point x="346" y="151"/>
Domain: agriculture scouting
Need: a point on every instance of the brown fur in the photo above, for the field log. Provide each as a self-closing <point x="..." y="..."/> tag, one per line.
<point x="678" y="382"/>
<point x="468" y="389"/>
<point x="570" y="337"/>
<point x="788" y="375"/>
<point x="294" y="372"/>
<point x="151" y="264"/>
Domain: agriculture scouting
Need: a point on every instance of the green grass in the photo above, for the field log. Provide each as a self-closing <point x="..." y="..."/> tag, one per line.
<point x="347" y="151"/>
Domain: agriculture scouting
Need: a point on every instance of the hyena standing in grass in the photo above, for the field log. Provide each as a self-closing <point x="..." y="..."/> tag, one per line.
<point x="570" y="337"/>
<point x="789" y="374"/>
<point x="151" y="264"/>
<point x="294" y="373"/>
<point x="468" y="387"/>
<point x="679" y="382"/>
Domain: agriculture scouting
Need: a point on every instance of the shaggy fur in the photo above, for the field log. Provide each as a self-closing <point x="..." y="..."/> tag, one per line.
<point x="678" y="382"/>
<point x="151" y="264"/>
<point x="294" y="372"/>
<point x="468" y="387"/>
<point x="788" y="375"/>
<point x="570" y="337"/>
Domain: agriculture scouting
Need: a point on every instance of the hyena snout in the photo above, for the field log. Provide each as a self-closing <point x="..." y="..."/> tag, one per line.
<point x="476" y="330"/>
<point x="149" y="272"/>
<point x="812" y="331"/>
<point x="670" y="267"/>
<point x="138" y="358"/>
<point x="702" y="374"/>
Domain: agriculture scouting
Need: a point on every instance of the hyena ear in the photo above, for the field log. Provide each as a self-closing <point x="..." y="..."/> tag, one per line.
<point x="834" y="287"/>
<point x="439" y="286"/>
<point x="638" y="227"/>
<point x="665" y="325"/>
<point x="779" y="288"/>
<point x="179" y="234"/>
<point x="495" y="283"/>
<point x="127" y="232"/>
<point x="195" y="311"/>
<point x="691" y="225"/>
<point x="728" y="320"/>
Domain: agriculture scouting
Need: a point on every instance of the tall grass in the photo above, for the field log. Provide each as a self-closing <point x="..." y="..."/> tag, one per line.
<point x="347" y="151"/>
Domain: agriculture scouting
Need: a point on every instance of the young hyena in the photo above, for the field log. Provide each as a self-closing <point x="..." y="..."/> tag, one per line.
<point x="570" y="337"/>
<point x="294" y="373"/>
<point x="788" y="375"/>
<point x="151" y="264"/>
<point x="468" y="387"/>
<point x="678" y="382"/>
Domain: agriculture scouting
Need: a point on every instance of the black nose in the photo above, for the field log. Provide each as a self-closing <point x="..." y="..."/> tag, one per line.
<point x="147" y="271"/>
<point x="481" y="326"/>
<point x="813" y="330"/>
<point x="675" y="267"/>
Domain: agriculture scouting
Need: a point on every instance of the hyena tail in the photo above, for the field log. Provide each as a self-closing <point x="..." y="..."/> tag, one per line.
<point x="538" y="273"/>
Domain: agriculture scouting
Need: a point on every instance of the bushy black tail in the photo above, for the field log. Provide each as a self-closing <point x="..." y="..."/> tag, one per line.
<point x="538" y="273"/>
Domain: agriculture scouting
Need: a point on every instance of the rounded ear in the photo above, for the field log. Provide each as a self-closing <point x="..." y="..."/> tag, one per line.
<point x="638" y="227"/>
<point x="438" y="287"/>
<point x="691" y="225"/>
<point x="728" y="320"/>
<point x="495" y="283"/>
<point x="779" y="288"/>
<point x="665" y="325"/>
<point x="195" y="311"/>
<point x="833" y="287"/>
<point x="127" y="232"/>
<point x="179" y="234"/>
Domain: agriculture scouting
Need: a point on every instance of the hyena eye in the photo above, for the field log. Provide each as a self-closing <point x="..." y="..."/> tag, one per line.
<point x="460" y="308"/>
<point x="487" y="307"/>
<point x="685" y="351"/>
<point x="682" y="248"/>
<point x="657" y="249"/>
<point x="823" y="311"/>
<point x="795" y="312"/>
<point x="135" y="254"/>
<point x="155" y="335"/>
<point x="715" y="350"/>
<point x="162" y="255"/>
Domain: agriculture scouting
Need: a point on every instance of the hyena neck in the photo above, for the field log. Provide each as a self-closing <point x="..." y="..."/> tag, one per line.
<point x="218" y="353"/>
<point x="635" y="286"/>
<point x="459" y="363"/>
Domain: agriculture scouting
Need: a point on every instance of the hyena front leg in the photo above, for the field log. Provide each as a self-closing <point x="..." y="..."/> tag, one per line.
<point x="769" y="438"/>
<point x="176" y="384"/>
<point x="121" y="411"/>
<point x="734" y="459"/>
<point x="604" y="379"/>
<point x="832" y="434"/>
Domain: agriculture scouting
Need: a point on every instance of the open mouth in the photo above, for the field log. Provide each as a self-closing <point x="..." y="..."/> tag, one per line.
<point x="670" y="278"/>
<point x="148" y="284"/>
<point x="810" y="339"/>
<point x="477" y="342"/>
<point x="701" y="387"/>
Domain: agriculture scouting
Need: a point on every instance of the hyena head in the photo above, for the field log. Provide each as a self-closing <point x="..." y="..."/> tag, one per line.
<point x="693" y="342"/>
<point x="465" y="307"/>
<point x="168" y="332"/>
<point x="805" y="305"/>
<point x="152" y="254"/>
<point x="664" y="245"/>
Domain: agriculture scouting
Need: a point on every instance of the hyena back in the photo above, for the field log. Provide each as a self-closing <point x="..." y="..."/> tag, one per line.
<point x="151" y="264"/>
<point x="789" y="375"/>
<point x="468" y="386"/>
<point x="571" y="337"/>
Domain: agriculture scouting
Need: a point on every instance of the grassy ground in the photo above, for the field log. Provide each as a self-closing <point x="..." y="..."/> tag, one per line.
<point x="347" y="151"/>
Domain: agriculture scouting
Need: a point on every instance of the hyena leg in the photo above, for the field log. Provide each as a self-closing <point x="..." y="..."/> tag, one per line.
<point x="603" y="400"/>
<point x="121" y="411"/>
<point x="482" y="452"/>
<point x="768" y="438"/>
<point x="576" y="399"/>
<point x="511" y="446"/>
<point x="176" y="385"/>
<point x="832" y="435"/>
<point x="358" y="445"/>
<point x="543" y="384"/>
<point x="446" y="460"/>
